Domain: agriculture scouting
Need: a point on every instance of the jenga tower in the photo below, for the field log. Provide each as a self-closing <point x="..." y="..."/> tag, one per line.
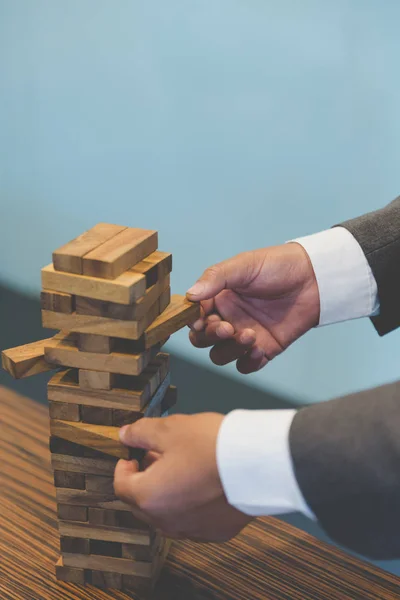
<point x="108" y="292"/>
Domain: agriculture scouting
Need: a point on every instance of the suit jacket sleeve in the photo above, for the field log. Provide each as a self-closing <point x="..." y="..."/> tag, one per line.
<point x="346" y="458"/>
<point x="378" y="234"/>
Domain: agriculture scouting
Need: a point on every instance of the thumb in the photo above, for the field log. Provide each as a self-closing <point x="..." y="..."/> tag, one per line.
<point x="225" y="275"/>
<point x="145" y="433"/>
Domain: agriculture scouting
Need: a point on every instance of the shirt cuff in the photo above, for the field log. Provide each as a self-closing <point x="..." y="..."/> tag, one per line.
<point x="255" y="464"/>
<point x="346" y="284"/>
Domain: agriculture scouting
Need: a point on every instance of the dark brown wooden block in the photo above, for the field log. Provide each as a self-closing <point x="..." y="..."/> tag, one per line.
<point x="99" y="437"/>
<point x="66" y="512"/>
<point x="96" y="415"/>
<point x="61" y="446"/>
<point x="78" y="464"/>
<point x="124" y="417"/>
<point x="138" y="552"/>
<point x="68" y="479"/>
<point x="99" y="483"/>
<point x="170" y="399"/>
<point x="103" y="548"/>
<point x="69" y="574"/>
<point x="115" y="518"/>
<point x="104" y="580"/>
<point x="97" y="455"/>
<point x="74" y="545"/>
<point x="57" y="301"/>
<point x="65" y="411"/>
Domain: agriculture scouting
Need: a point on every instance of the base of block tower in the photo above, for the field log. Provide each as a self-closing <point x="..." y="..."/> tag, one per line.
<point x="109" y="580"/>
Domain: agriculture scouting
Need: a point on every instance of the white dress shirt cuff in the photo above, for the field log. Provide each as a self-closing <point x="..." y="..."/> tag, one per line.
<point x="255" y="464"/>
<point x="347" y="287"/>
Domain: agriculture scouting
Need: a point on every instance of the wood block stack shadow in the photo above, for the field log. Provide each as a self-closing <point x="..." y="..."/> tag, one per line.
<point x="108" y="292"/>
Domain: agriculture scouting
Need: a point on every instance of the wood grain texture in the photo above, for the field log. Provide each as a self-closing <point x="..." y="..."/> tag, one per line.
<point x="69" y="256"/>
<point x="80" y="464"/>
<point x="112" y="310"/>
<point x="65" y="411"/>
<point x="106" y="533"/>
<point x="95" y="380"/>
<point x="26" y="360"/>
<point x="97" y="415"/>
<point x="120" y="253"/>
<point x="99" y="483"/>
<point x="125" y="289"/>
<point x="269" y="560"/>
<point x="137" y="395"/>
<point x="68" y="479"/>
<point x="88" y="342"/>
<point x="155" y="267"/>
<point x="90" y="499"/>
<point x="108" y="564"/>
<point x="130" y="330"/>
<point x="120" y="519"/>
<point x="180" y="312"/>
<point x="63" y="351"/>
<point x="66" y="512"/>
<point x="57" y="301"/>
<point x="100" y="437"/>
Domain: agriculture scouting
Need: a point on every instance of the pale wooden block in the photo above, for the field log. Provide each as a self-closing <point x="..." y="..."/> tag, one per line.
<point x="95" y="380"/>
<point x="99" y="437"/>
<point x="125" y="289"/>
<point x="69" y="257"/>
<point x="26" y="360"/>
<point x="109" y="564"/>
<point x="64" y="411"/>
<point x="155" y="267"/>
<point x="120" y="253"/>
<point x="179" y="313"/>
<point x="89" y="342"/>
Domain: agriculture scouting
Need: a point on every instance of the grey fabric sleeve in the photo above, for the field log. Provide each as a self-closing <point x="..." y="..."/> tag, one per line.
<point x="378" y="234"/>
<point x="346" y="457"/>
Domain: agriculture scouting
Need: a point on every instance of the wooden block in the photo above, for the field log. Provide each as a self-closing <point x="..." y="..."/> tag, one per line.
<point x="96" y="454"/>
<point x="96" y="415"/>
<point x="103" y="548"/>
<point x="69" y="257"/>
<point x="84" y="498"/>
<point x="63" y="351"/>
<point x="66" y="512"/>
<point x="57" y="301"/>
<point x="125" y="289"/>
<point x="77" y="464"/>
<point x="112" y="310"/>
<point x="114" y="518"/>
<point x="60" y="446"/>
<point x="99" y="437"/>
<point x="88" y="342"/>
<point x="67" y="479"/>
<point x="170" y="399"/>
<point x="64" y="387"/>
<point x="142" y="585"/>
<point x="95" y="380"/>
<point x="120" y="253"/>
<point x="69" y="574"/>
<point x="75" y="545"/>
<point x="100" y="484"/>
<point x="179" y="313"/>
<point x="110" y="564"/>
<point x="64" y="411"/>
<point x="140" y="552"/>
<point x="26" y="360"/>
<point x="124" y="417"/>
<point x="103" y="580"/>
<point x="106" y="533"/>
<point x="165" y="300"/>
<point x="155" y="267"/>
<point x="131" y="330"/>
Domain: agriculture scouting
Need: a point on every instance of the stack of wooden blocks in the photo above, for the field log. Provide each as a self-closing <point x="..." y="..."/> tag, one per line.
<point x="108" y="292"/>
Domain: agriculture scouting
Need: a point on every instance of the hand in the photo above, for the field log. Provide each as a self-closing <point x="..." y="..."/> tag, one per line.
<point x="255" y="305"/>
<point x="179" y="492"/>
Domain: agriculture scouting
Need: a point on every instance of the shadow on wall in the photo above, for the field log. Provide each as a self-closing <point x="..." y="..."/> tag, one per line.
<point x="199" y="389"/>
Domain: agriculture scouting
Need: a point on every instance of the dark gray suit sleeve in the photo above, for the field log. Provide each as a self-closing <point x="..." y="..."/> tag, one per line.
<point x="378" y="234"/>
<point x="346" y="457"/>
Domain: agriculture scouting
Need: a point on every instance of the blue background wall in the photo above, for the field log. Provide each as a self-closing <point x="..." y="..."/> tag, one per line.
<point x="226" y="125"/>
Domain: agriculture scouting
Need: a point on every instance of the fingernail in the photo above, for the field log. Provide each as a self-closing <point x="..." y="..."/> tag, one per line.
<point x="256" y="353"/>
<point x="198" y="325"/>
<point x="122" y="432"/>
<point x="197" y="289"/>
<point x="223" y="330"/>
<point x="246" y="338"/>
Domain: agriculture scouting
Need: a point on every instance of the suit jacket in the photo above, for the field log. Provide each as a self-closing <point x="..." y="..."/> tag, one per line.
<point x="346" y="452"/>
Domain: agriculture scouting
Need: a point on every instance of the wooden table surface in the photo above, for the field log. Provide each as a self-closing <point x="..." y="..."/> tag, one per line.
<point x="270" y="560"/>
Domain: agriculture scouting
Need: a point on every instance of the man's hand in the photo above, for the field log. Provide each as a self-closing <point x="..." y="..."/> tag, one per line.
<point x="180" y="491"/>
<point x="255" y="305"/>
